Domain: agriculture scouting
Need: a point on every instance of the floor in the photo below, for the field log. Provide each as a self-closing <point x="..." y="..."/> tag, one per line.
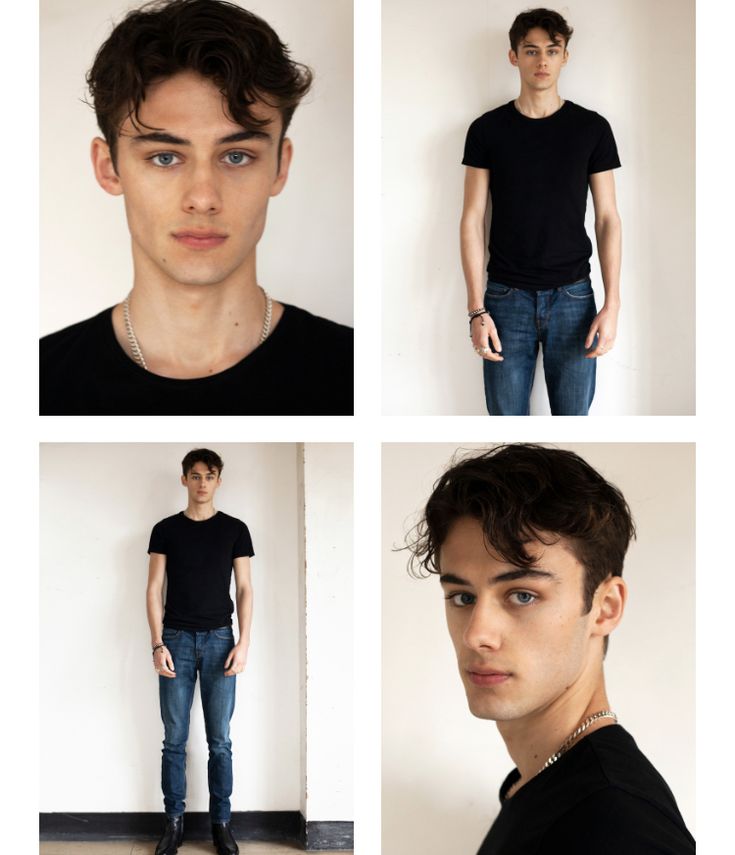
<point x="194" y="847"/>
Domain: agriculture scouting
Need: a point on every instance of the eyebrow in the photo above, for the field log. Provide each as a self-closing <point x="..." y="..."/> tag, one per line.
<point x="172" y="139"/>
<point x="550" y="44"/>
<point x="509" y="576"/>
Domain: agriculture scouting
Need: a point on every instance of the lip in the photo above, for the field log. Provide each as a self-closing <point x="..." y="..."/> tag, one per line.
<point x="200" y="239"/>
<point x="484" y="677"/>
<point x="541" y="74"/>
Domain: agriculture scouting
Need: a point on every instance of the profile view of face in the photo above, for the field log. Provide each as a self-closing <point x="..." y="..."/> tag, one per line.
<point x="519" y="634"/>
<point x="196" y="188"/>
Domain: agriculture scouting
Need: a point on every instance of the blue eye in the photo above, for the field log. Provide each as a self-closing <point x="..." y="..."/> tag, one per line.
<point x="164" y="158"/>
<point x="524" y="598"/>
<point x="237" y="158"/>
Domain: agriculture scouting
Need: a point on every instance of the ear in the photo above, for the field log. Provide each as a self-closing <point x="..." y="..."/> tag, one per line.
<point x="183" y="480"/>
<point x="104" y="170"/>
<point x="513" y="57"/>
<point x="609" y="605"/>
<point x="566" y="57"/>
<point x="282" y="177"/>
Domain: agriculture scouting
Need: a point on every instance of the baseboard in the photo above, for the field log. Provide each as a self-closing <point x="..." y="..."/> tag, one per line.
<point x="247" y="825"/>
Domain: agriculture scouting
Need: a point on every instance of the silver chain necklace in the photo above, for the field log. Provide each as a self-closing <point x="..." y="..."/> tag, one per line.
<point x="138" y="353"/>
<point x="567" y="743"/>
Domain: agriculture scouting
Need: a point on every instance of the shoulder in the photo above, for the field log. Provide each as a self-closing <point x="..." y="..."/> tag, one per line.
<point x="166" y="522"/>
<point x="611" y="820"/>
<point x="586" y="117"/>
<point x="315" y="333"/>
<point x="227" y="519"/>
<point x="615" y="797"/>
<point x="487" y="121"/>
<point x="77" y="336"/>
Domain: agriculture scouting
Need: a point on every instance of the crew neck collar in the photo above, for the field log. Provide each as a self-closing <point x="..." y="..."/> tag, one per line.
<point x="512" y="105"/>
<point x="183" y="514"/>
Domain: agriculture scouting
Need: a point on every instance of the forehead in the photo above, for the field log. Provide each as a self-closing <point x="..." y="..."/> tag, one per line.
<point x="466" y="553"/>
<point x="194" y="107"/>
<point x="201" y="469"/>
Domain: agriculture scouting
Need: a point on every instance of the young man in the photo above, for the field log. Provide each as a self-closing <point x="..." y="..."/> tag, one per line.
<point x="534" y="158"/>
<point x="196" y="551"/>
<point x="194" y="98"/>
<point x="529" y="544"/>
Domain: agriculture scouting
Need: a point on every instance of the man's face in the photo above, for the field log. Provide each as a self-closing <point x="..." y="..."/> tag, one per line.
<point x="519" y="634"/>
<point x="539" y="59"/>
<point x="201" y="483"/>
<point x="196" y="191"/>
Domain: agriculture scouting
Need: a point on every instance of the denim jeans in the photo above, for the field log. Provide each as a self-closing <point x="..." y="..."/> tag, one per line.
<point x="202" y="653"/>
<point x="556" y="318"/>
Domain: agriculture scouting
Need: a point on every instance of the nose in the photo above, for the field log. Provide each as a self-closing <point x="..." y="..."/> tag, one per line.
<point x="202" y="193"/>
<point x="484" y="630"/>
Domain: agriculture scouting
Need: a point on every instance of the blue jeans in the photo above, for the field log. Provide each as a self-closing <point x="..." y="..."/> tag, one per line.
<point x="203" y="653"/>
<point x="556" y="318"/>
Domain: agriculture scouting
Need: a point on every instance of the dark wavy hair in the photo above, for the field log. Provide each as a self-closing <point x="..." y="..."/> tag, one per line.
<point x="235" y="49"/>
<point x="209" y="458"/>
<point x="554" y="24"/>
<point x="522" y="492"/>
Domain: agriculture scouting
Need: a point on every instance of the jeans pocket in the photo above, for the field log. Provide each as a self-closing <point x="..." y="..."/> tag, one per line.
<point x="579" y="291"/>
<point x="169" y="634"/>
<point x="225" y="633"/>
<point x="496" y="290"/>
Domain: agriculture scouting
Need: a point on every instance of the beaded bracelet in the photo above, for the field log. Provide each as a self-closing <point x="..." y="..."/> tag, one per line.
<point x="477" y="315"/>
<point x="475" y="312"/>
<point x="157" y="647"/>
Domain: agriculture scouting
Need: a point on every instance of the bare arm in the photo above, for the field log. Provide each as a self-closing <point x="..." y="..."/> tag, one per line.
<point x="162" y="659"/>
<point x="237" y="658"/>
<point x="472" y="246"/>
<point x="608" y="232"/>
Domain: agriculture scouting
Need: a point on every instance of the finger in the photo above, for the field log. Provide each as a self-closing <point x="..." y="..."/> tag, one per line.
<point x="169" y="662"/>
<point x="590" y="336"/>
<point x="493" y="357"/>
<point x="495" y="338"/>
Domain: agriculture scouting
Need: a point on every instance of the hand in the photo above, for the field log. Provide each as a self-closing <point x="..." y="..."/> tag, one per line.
<point x="163" y="662"/>
<point x="605" y="326"/>
<point x="235" y="662"/>
<point x="483" y="331"/>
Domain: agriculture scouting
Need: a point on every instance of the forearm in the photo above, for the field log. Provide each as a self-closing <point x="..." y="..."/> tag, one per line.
<point x="472" y="245"/>
<point x="244" y="605"/>
<point x="609" y="242"/>
<point x="154" y="609"/>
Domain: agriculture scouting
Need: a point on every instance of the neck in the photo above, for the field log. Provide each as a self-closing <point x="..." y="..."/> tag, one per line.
<point x="538" y="104"/>
<point x="531" y="740"/>
<point x="187" y="331"/>
<point x="200" y="511"/>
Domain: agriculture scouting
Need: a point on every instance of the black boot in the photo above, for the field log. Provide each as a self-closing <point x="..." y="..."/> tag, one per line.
<point x="224" y="842"/>
<point x="173" y="834"/>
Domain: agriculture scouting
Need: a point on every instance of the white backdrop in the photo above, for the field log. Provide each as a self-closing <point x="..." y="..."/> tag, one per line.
<point x="305" y="255"/>
<point x="101" y="731"/>
<point x="442" y="768"/>
<point x="444" y="66"/>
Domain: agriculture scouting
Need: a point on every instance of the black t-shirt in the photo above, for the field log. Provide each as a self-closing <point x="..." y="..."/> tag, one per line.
<point x="304" y="367"/>
<point x="603" y="796"/>
<point x="539" y="177"/>
<point x="199" y="558"/>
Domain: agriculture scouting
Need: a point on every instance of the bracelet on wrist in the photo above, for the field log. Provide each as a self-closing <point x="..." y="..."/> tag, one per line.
<point x="474" y="312"/>
<point x="157" y="647"/>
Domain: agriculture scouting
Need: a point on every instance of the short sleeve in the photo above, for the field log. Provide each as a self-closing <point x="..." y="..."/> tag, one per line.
<point x="476" y="149"/>
<point x="605" y="153"/>
<point x="157" y="543"/>
<point x="243" y="544"/>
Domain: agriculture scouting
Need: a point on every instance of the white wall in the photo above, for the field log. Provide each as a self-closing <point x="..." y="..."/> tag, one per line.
<point x="329" y="648"/>
<point x="305" y="256"/>
<point x="442" y="768"/>
<point x="99" y="694"/>
<point x="445" y="65"/>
